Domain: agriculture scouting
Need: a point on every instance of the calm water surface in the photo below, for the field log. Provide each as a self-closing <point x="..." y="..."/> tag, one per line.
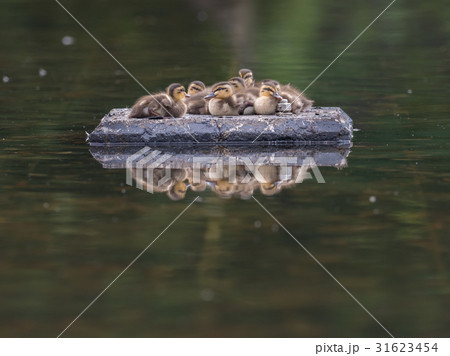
<point x="68" y="227"/>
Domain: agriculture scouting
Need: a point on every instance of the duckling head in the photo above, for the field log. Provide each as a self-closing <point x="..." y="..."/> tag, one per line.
<point x="177" y="91"/>
<point x="238" y="84"/>
<point x="222" y="90"/>
<point x="247" y="75"/>
<point x="272" y="82"/>
<point x="196" y="87"/>
<point x="269" y="90"/>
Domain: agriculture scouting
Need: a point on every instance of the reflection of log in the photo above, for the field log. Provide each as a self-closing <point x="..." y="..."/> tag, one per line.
<point x="317" y="126"/>
<point x="183" y="156"/>
<point x="227" y="170"/>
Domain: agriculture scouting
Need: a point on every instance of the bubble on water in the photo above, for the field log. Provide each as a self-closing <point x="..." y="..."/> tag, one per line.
<point x="202" y="16"/>
<point x="6" y="79"/>
<point x="409" y="91"/>
<point x="207" y="294"/>
<point x="376" y="211"/>
<point x="373" y="199"/>
<point x="257" y="224"/>
<point x="42" y="72"/>
<point x="68" y="40"/>
<point x="396" y="193"/>
<point x="46" y="205"/>
<point x="275" y="228"/>
<point x="123" y="191"/>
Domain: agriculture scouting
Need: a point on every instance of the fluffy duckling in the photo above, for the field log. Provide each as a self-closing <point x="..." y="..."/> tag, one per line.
<point x="223" y="102"/>
<point x="245" y="97"/>
<point x="298" y="100"/>
<point x="238" y="84"/>
<point x="196" y="87"/>
<point x="197" y="104"/>
<point x="247" y="75"/>
<point x="267" y="102"/>
<point x="169" y="104"/>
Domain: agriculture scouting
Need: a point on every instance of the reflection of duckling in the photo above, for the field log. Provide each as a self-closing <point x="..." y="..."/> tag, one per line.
<point x="247" y="75"/>
<point x="268" y="99"/>
<point x="298" y="100"/>
<point x="224" y="188"/>
<point x="198" y="187"/>
<point x="169" y="104"/>
<point x="270" y="188"/>
<point x="177" y="191"/>
<point x="223" y="102"/>
<point x="196" y="87"/>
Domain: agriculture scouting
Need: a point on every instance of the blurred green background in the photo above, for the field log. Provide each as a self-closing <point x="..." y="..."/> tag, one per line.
<point x="68" y="227"/>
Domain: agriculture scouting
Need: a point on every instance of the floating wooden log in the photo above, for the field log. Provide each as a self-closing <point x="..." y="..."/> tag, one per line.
<point x="316" y="126"/>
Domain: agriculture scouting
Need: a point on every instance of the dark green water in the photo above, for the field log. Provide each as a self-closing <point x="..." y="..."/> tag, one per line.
<point x="68" y="227"/>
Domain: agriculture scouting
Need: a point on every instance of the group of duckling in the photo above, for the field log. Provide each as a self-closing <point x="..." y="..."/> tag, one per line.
<point x="238" y="96"/>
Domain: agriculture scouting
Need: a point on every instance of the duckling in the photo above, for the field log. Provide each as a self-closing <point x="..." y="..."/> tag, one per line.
<point x="169" y="104"/>
<point x="196" y="87"/>
<point x="238" y="84"/>
<point x="298" y="100"/>
<point x="267" y="102"/>
<point x="247" y="75"/>
<point x="197" y="104"/>
<point x="223" y="101"/>
<point x="245" y="97"/>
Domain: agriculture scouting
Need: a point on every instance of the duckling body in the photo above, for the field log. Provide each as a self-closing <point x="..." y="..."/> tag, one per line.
<point x="266" y="103"/>
<point x="224" y="107"/>
<point x="169" y="104"/>
<point x="245" y="97"/>
<point x="197" y="104"/>
<point x="294" y="96"/>
<point x="223" y="102"/>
